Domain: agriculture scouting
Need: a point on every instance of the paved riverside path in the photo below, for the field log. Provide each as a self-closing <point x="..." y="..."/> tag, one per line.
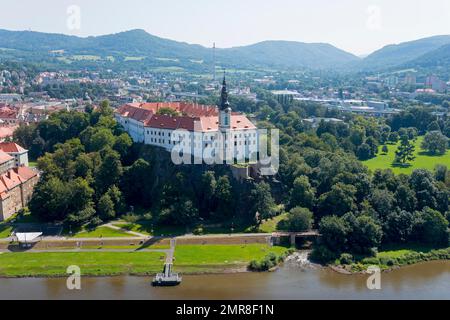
<point x="134" y="233"/>
<point x="171" y="251"/>
<point x="166" y="251"/>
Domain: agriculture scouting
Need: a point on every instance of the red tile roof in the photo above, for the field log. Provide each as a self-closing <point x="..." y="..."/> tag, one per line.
<point x="8" y="113"/>
<point x="14" y="178"/>
<point x="194" y="117"/>
<point x="11" y="147"/>
<point x="4" y="157"/>
<point x="6" y="132"/>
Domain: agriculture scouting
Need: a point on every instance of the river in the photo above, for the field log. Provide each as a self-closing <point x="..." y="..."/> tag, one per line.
<point x="430" y="280"/>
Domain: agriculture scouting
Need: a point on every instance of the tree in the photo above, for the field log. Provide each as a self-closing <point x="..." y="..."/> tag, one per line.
<point x="135" y="183"/>
<point x="432" y="227"/>
<point x="109" y="172"/>
<point x="405" y="151"/>
<point x="262" y="200"/>
<point x="223" y="194"/>
<point x="106" y="207"/>
<point x="382" y="201"/>
<point x="339" y="200"/>
<point x="334" y="232"/>
<point x="399" y="226"/>
<point x="385" y="149"/>
<point x="435" y="142"/>
<point x="373" y="144"/>
<point x="299" y="219"/>
<point x="364" y="152"/>
<point x="433" y="126"/>
<point x="24" y="135"/>
<point x="103" y="138"/>
<point x="123" y="144"/>
<point x="405" y="198"/>
<point x="440" y="172"/>
<point x="365" y="233"/>
<point x="302" y="193"/>
<point x="393" y="137"/>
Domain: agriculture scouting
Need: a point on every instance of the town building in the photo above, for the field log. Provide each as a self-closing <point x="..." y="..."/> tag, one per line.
<point x="16" y="183"/>
<point x="206" y="128"/>
<point x="436" y="84"/>
<point x="19" y="154"/>
<point x="8" y="114"/>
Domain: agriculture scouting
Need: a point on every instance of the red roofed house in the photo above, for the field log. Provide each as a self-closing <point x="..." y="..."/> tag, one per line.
<point x="9" y="115"/>
<point x="202" y="123"/>
<point x="13" y="149"/>
<point x="16" y="183"/>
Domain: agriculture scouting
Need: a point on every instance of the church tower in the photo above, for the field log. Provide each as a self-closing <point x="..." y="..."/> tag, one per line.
<point x="224" y="109"/>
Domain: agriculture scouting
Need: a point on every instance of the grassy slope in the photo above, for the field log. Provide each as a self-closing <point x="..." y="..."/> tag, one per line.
<point x="207" y="258"/>
<point x="271" y="225"/>
<point x="5" y="231"/>
<point x="422" y="161"/>
<point x="90" y="263"/>
<point x="103" y="232"/>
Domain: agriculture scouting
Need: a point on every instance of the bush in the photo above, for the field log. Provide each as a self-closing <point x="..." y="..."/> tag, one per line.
<point x="271" y="260"/>
<point x="198" y="230"/>
<point x="130" y="218"/>
<point x="322" y="254"/>
<point x="346" y="258"/>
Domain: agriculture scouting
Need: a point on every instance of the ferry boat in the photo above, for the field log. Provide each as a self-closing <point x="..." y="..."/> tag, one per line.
<point x="167" y="277"/>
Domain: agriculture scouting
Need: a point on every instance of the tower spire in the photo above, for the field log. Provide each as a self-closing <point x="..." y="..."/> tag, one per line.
<point x="224" y="104"/>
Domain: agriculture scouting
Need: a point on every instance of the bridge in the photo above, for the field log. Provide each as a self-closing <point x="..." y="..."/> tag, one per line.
<point x="311" y="234"/>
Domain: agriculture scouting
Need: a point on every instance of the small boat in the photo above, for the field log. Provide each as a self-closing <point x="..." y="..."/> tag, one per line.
<point x="167" y="277"/>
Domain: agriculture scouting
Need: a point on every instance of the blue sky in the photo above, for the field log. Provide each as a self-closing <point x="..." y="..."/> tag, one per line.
<point x="358" y="26"/>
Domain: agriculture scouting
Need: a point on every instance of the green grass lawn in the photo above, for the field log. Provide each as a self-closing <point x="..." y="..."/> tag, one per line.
<point x="5" y="230"/>
<point x="422" y="161"/>
<point x="205" y="258"/>
<point x="103" y="232"/>
<point x="149" y="228"/>
<point x="188" y="259"/>
<point x="90" y="263"/>
<point x="398" y="250"/>
<point x="271" y="225"/>
<point x="32" y="164"/>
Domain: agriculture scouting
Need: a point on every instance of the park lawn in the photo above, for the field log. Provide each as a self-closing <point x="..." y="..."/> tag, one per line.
<point x="32" y="264"/>
<point x="213" y="258"/>
<point x="32" y="164"/>
<point x="149" y="228"/>
<point x="102" y="232"/>
<point x="422" y="161"/>
<point x="399" y="250"/>
<point x="271" y="225"/>
<point x="5" y="231"/>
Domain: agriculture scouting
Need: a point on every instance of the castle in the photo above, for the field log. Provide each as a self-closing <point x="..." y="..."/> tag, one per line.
<point x="192" y="127"/>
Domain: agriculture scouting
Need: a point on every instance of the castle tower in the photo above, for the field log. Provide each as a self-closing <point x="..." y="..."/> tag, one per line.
<point x="224" y="109"/>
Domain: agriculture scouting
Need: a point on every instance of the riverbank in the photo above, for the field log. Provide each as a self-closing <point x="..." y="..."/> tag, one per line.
<point x="188" y="259"/>
<point x="391" y="260"/>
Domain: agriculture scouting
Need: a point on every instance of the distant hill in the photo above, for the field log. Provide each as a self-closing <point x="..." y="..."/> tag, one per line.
<point x="138" y="45"/>
<point x="403" y="53"/>
<point x="290" y="53"/>
<point x="436" y="58"/>
<point x="142" y="51"/>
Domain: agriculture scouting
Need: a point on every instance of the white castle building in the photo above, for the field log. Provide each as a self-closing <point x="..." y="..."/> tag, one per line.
<point x="195" y="129"/>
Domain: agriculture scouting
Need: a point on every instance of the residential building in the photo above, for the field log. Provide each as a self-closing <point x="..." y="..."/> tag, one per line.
<point x="14" y="150"/>
<point x="16" y="185"/>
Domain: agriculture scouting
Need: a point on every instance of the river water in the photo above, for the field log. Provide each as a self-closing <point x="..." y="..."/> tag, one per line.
<point x="294" y="280"/>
